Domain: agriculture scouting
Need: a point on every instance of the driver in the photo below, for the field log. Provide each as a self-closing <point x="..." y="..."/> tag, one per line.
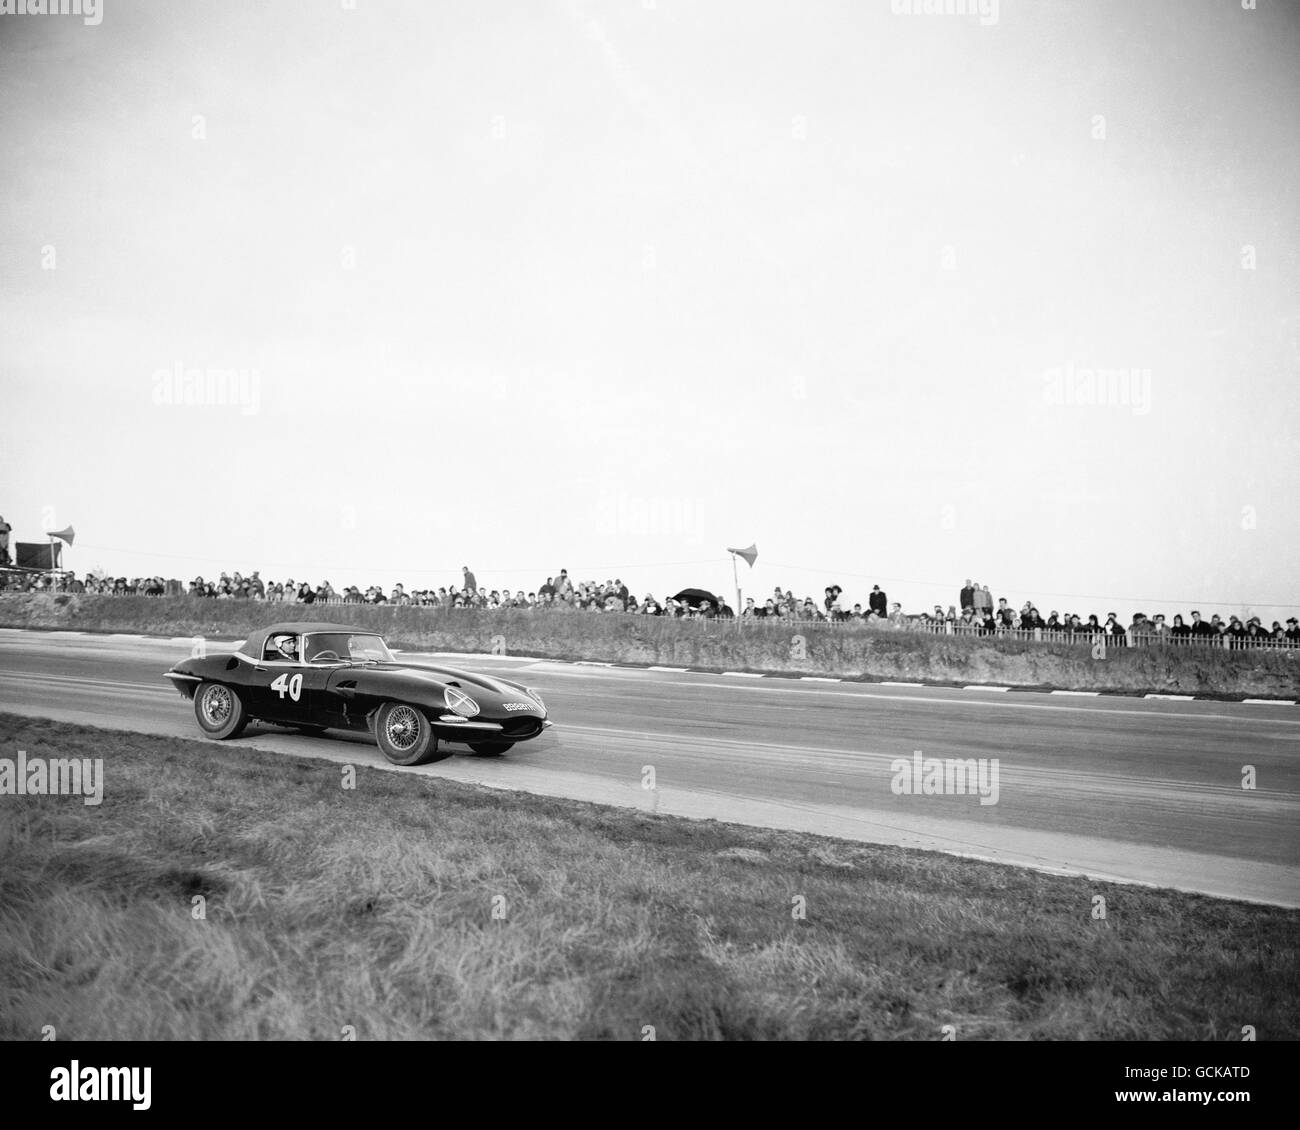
<point x="287" y="646"/>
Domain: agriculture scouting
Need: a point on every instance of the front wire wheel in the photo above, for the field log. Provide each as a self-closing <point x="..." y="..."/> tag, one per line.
<point x="405" y="736"/>
<point x="220" y="711"/>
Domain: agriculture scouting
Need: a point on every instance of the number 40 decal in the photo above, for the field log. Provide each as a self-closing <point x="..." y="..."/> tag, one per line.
<point x="293" y="686"/>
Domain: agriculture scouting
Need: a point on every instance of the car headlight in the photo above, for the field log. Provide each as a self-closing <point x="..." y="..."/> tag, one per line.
<point x="460" y="702"/>
<point x="536" y="697"/>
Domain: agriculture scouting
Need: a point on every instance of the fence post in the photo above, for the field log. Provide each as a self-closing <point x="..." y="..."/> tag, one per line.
<point x="1038" y="635"/>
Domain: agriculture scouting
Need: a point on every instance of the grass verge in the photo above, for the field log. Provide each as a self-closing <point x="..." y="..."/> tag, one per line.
<point x="373" y="907"/>
<point x="846" y="652"/>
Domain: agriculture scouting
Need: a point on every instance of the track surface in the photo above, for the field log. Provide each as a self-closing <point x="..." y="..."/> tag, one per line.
<point x="1129" y="790"/>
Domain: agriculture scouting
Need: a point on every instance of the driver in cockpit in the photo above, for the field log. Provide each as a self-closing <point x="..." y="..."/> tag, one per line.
<point x="287" y="646"/>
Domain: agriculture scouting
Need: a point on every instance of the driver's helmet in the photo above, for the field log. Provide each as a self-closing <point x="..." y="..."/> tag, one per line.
<point x="287" y="646"/>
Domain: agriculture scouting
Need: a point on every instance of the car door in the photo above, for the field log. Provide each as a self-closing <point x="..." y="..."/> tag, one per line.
<point x="318" y="705"/>
<point x="279" y="690"/>
<point x="276" y="686"/>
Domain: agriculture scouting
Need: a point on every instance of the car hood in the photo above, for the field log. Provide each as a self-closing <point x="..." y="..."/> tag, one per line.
<point x="420" y="680"/>
<point x="466" y="680"/>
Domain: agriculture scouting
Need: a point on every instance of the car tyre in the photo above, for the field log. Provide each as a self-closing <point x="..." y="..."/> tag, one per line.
<point x="220" y="711"/>
<point x="405" y="736"/>
<point x="489" y="749"/>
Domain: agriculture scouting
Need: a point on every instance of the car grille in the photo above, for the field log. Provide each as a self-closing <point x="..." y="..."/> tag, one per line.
<point x="519" y="728"/>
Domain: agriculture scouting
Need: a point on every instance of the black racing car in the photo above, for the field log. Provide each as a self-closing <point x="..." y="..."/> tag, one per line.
<point x="330" y="676"/>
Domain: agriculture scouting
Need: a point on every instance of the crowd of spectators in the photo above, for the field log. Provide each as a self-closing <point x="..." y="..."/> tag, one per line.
<point x="976" y="612"/>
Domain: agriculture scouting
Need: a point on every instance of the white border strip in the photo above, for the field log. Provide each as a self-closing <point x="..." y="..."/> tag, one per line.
<point x="892" y="684"/>
<point x="744" y="674"/>
<point x="1173" y="697"/>
<point x="667" y="668"/>
<point x="1082" y="694"/>
<point x="978" y="687"/>
<point x="1270" y="701"/>
<point x="819" y="679"/>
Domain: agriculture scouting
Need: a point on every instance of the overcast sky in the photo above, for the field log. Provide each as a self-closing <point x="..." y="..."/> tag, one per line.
<point x="614" y="286"/>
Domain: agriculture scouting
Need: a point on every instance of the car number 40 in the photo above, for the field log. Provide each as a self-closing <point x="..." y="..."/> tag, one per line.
<point x="293" y="686"/>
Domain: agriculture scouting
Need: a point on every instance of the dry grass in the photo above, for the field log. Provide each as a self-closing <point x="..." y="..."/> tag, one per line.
<point x="372" y="908"/>
<point x="852" y="652"/>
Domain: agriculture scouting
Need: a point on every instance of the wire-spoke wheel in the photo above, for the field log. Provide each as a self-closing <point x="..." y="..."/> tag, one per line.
<point x="405" y="736"/>
<point x="220" y="711"/>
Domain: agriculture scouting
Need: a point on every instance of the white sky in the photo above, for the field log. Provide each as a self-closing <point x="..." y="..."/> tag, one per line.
<point x="613" y="286"/>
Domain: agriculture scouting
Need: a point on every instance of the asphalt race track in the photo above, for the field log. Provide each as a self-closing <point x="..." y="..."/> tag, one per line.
<point x="1130" y="790"/>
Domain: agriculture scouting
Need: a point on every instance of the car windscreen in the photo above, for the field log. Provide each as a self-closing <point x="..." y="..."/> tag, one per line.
<point x="330" y="647"/>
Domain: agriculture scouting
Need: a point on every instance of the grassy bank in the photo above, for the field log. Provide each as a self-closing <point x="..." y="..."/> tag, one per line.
<point x="372" y="907"/>
<point x="846" y="652"/>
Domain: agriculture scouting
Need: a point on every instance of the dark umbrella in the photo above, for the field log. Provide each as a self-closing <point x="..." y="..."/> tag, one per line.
<point x="697" y="597"/>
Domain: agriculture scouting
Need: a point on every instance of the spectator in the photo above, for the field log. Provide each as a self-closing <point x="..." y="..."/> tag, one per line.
<point x="967" y="598"/>
<point x="1293" y="630"/>
<point x="1200" y="629"/>
<point x="1180" y="632"/>
<point x="1115" y="633"/>
<point x="878" y="602"/>
<point x="469" y="584"/>
<point x="5" y="529"/>
<point x="1139" y="632"/>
